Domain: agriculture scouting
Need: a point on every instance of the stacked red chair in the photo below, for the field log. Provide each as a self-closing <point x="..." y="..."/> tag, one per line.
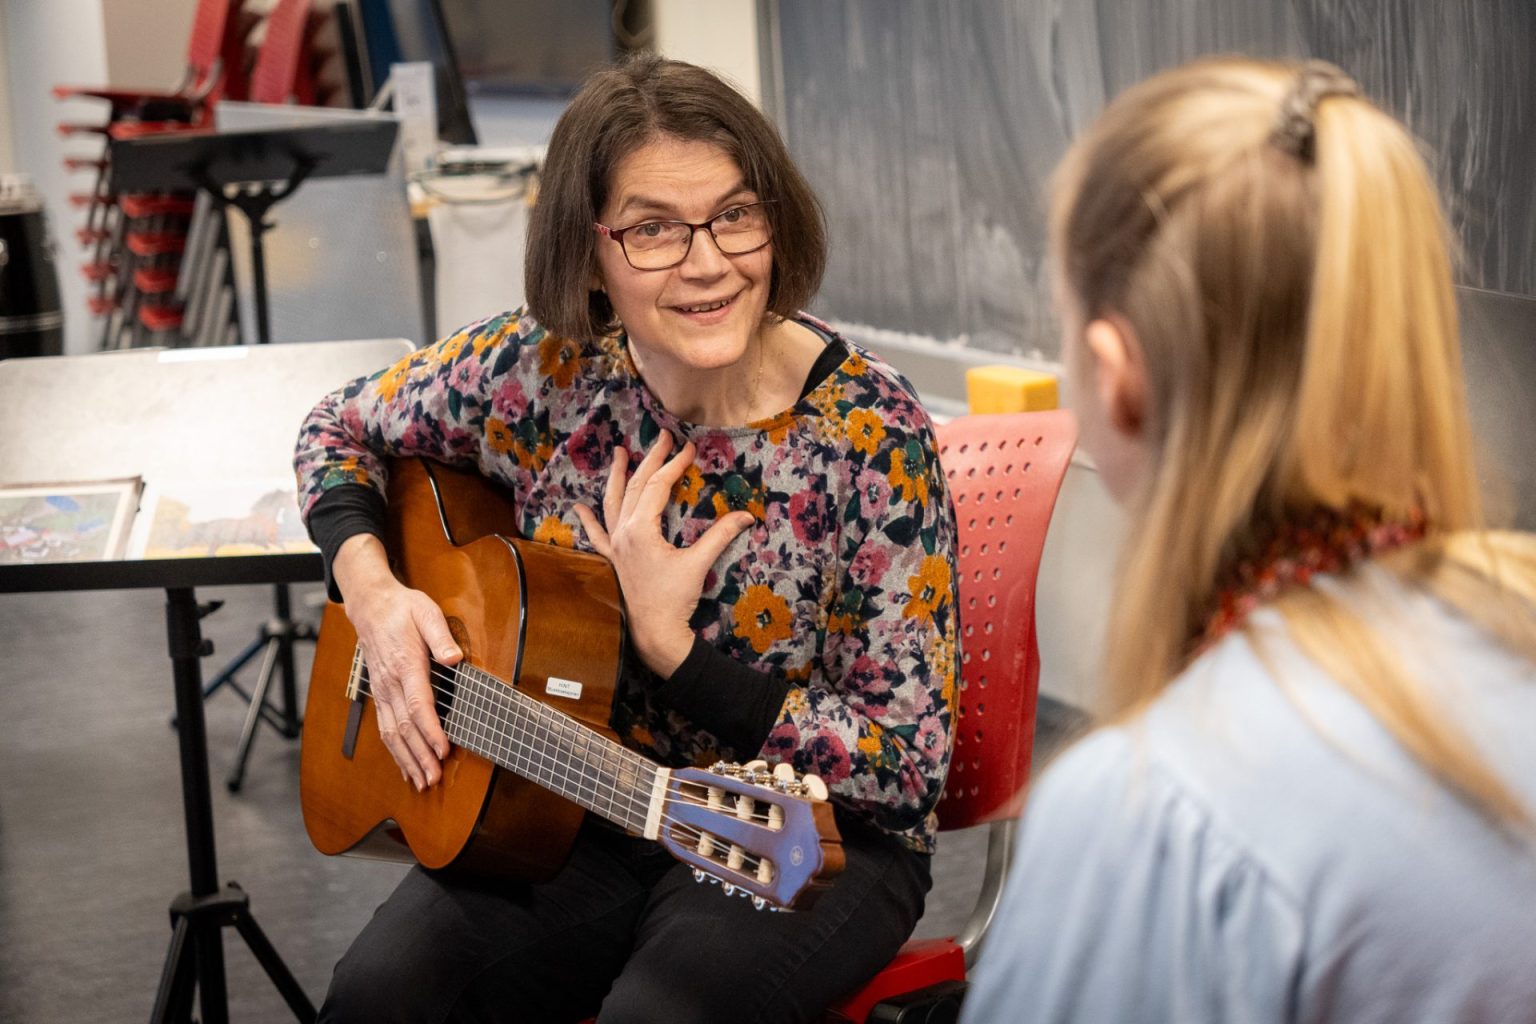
<point x="281" y="74"/>
<point x="214" y="70"/>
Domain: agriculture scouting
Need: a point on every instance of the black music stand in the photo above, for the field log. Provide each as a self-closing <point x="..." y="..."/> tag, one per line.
<point x="252" y="171"/>
<point x="243" y="406"/>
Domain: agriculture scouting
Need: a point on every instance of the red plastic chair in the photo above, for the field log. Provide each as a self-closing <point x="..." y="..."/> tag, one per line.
<point x="214" y="69"/>
<point x="1004" y="473"/>
<point x="280" y="73"/>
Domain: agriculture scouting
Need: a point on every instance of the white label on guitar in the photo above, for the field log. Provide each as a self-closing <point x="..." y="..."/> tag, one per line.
<point x="557" y="687"/>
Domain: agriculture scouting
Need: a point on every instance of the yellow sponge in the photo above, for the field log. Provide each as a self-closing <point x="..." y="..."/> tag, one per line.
<point x="1009" y="389"/>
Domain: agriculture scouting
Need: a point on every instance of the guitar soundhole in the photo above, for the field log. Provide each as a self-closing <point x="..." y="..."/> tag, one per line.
<point x="460" y="634"/>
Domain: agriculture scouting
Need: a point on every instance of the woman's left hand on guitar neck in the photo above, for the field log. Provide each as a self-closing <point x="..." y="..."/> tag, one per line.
<point x="661" y="582"/>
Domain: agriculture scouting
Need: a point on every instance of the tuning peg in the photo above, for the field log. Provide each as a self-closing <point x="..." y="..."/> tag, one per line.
<point x="784" y="771"/>
<point x="755" y="766"/>
<point x="728" y="888"/>
<point x="758" y="903"/>
<point x="814" y="787"/>
<point x="699" y="875"/>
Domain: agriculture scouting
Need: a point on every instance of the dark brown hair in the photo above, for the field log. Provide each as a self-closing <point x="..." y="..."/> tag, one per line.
<point x="618" y="110"/>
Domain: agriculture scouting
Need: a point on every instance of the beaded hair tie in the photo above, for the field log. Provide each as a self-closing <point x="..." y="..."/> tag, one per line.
<point x="1299" y="547"/>
<point x="1295" y="129"/>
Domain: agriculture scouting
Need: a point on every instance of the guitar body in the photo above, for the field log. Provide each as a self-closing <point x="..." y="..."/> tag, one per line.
<point x="522" y="611"/>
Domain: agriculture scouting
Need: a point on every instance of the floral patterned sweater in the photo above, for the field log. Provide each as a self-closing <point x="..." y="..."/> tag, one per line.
<point x="845" y="586"/>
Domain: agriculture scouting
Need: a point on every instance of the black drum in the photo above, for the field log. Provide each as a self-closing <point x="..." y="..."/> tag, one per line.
<point x="31" y="319"/>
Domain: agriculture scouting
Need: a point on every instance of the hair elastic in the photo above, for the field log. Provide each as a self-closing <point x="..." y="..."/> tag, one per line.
<point x="1295" y="129"/>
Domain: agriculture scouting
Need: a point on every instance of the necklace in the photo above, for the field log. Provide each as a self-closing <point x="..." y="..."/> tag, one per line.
<point x="1290" y="552"/>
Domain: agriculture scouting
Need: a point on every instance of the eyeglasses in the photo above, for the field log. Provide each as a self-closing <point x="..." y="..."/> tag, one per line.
<point x="662" y="244"/>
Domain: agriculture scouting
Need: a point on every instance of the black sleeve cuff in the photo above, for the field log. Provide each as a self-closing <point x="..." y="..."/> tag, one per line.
<point x="739" y="704"/>
<point x="341" y="513"/>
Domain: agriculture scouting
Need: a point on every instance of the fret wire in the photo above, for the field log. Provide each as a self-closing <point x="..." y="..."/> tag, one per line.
<point x="539" y="731"/>
<point x="612" y="790"/>
<point x="560" y="756"/>
<point x="539" y="736"/>
<point x="585" y="739"/>
<point x="646" y="773"/>
<point x="479" y="699"/>
<point x="499" y="694"/>
<point x="577" y="776"/>
<point x="543" y="729"/>
<point x="485" y="697"/>
<point x="464" y="706"/>
<point x="546" y="750"/>
<point x="478" y="705"/>
<point x="506" y="736"/>
<point x="522" y="727"/>
<point x="581" y="753"/>
<point x="453" y="722"/>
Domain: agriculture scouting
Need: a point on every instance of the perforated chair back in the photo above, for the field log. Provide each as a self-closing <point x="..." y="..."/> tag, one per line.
<point x="276" y="74"/>
<point x="1004" y="473"/>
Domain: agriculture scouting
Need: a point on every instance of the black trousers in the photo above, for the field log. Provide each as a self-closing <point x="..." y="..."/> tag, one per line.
<point x="625" y="933"/>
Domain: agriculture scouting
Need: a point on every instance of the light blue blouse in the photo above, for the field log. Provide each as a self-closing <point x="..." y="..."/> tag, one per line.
<point x="1262" y="851"/>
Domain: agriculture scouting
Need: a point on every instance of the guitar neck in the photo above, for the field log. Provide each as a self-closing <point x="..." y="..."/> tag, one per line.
<point x="548" y="748"/>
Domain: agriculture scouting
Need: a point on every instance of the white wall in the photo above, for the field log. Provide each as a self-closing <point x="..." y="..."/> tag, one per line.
<point x="7" y="118"/>
<point x="717" y="34"/>
<point x="146" y="41"/>
<point x="50" y="43"/>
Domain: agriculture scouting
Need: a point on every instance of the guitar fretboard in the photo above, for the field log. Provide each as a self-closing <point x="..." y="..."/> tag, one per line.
<point x="549" y="748"/>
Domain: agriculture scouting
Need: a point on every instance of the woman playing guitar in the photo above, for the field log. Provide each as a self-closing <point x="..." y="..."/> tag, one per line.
<point x="771" y="501"/>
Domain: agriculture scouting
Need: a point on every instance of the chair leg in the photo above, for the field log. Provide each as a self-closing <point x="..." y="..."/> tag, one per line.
<point x="999" y="856"/>
<point x="253" y="713"/>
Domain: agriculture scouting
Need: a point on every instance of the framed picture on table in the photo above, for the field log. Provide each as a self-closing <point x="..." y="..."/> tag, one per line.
<point x="80" y="521"/>
<point x="210" y="519"/>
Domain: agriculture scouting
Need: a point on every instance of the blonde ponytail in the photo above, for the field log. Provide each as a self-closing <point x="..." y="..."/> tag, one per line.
<point x="1297" y="317"/>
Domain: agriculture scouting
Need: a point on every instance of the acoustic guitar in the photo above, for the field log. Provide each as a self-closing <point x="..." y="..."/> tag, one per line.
<point x="527" y="711"/>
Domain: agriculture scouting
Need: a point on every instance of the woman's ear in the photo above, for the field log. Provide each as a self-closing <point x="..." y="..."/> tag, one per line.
<point x="1119" y="373"/>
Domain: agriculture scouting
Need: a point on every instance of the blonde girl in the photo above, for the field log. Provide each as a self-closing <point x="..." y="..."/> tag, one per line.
<point x="1316" y="793"/>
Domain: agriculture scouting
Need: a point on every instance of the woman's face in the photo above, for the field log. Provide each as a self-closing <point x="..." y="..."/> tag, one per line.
<point x="703" y="313"/>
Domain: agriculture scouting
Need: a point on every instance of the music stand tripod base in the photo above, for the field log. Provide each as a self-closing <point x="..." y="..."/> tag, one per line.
<point x="195" y="959"/>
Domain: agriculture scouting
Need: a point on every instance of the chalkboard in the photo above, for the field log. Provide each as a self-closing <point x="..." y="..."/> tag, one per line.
<point x="930" y="129"/>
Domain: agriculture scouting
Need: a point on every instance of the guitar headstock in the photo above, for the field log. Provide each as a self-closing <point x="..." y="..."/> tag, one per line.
<point x="763" y="834"/>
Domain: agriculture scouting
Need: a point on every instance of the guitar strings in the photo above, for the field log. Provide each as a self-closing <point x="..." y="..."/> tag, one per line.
<point x="527" y="710"/>
<point x="508" y="737"/>
<point x="691" y="832"/>
<point x="688" y="831"/>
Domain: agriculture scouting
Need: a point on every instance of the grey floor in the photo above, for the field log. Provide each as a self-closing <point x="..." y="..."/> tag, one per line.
<point x="92" y="847"/>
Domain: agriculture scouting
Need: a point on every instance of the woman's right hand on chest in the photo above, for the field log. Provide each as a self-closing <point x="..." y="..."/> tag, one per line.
<point x="398" y="629"/>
